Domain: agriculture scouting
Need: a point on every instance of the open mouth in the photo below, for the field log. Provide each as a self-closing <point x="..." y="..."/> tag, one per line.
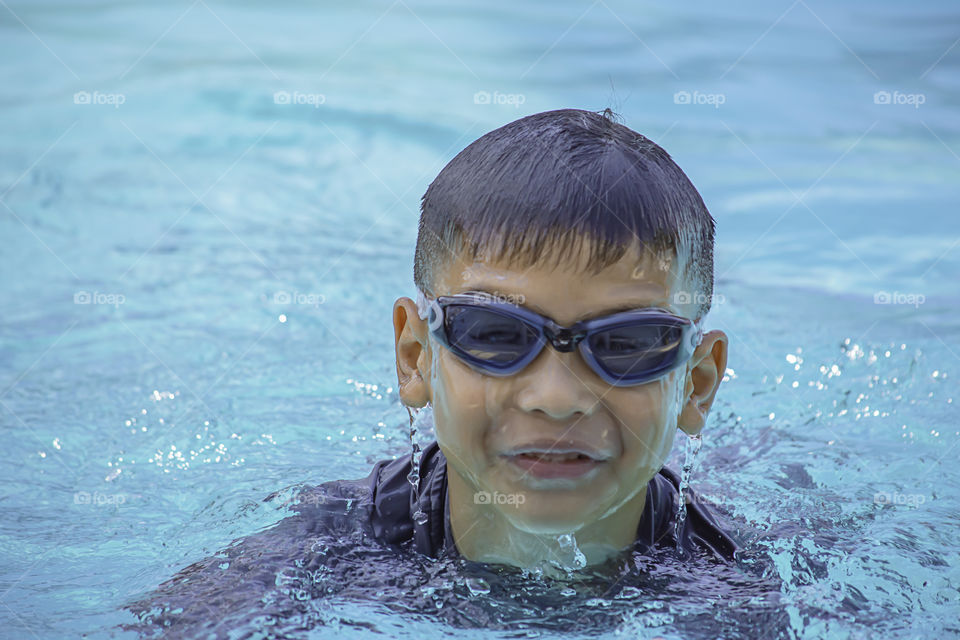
<point x="553" y="465"/>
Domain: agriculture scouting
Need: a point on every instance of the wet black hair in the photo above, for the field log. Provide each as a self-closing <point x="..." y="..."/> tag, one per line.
<point x="536" y="188"/>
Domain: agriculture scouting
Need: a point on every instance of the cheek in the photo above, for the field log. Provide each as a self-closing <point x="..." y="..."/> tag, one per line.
<point x="458" y="399"/>
<point x="648" y="422"/>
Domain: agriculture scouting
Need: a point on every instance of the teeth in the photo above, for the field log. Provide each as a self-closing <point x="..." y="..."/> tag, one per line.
<point x="555" y="457"/>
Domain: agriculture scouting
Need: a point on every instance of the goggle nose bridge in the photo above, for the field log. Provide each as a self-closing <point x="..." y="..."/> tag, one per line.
<point x="563" y="339"/>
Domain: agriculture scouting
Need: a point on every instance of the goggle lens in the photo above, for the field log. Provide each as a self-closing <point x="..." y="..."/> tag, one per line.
<point x="629" y="350"/>
<point x="487" y="335"/>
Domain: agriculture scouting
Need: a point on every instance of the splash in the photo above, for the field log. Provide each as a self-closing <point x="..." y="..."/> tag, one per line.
<point x="690" y="455"/>
<point x="570" y="557"/>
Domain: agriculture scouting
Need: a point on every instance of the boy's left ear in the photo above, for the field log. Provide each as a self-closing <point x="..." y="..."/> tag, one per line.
<point x="708" y="364"/>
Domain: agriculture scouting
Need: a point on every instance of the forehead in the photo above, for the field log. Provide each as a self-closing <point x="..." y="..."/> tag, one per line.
<point x="570" y="292"/>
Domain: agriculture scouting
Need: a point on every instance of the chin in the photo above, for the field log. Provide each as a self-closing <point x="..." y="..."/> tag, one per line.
<point x="549" y="519"/>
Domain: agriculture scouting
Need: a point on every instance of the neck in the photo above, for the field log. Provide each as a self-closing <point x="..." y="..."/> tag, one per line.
<point x="483" y="534"/>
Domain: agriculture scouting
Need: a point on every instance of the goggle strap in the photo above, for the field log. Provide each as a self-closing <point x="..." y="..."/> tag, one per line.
<point x="697" y="333"/>
<point x="423" y="305"/>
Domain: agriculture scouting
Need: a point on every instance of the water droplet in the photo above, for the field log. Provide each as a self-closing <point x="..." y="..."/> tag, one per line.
<point x="628" y="592"/>
<point x="477" y="586"/>
<point x="689" y="458"/>
<point x="422" y="419"/>
<point x="572" y="557"/>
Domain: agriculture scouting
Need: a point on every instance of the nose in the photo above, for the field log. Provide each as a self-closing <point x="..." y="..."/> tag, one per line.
<point x="557" y="384"/>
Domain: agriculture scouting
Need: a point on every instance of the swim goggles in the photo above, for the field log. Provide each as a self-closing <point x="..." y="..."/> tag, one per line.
<point x="497" y="338"/>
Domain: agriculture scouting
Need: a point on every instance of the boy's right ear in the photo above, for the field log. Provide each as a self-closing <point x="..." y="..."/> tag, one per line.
<point x="410" y="334"/>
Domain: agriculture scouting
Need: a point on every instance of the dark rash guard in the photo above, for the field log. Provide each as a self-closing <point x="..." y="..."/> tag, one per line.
<point x="336" y="530"/>
<point x="394" y="502"/>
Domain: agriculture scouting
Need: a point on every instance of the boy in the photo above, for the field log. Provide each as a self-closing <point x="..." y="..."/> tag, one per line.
<point x="561" y="219"/>
<point x="564" y="267"/>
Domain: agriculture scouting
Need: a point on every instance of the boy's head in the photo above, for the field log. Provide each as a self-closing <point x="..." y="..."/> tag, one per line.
<point x="539" y="188"/>
<point x="572" y="216"/>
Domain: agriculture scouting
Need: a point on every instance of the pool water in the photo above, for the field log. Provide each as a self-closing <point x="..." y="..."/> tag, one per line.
<point x="208" y="208"/>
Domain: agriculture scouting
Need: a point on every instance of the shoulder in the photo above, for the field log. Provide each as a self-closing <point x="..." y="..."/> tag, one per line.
<point x="394" y="500"/>
<point x="386" y="493"/>
<point x="385" y="498"/>
<point x="700" y="529"/>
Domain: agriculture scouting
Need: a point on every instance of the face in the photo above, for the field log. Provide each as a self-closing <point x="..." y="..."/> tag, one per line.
<point x="557" y="402"/>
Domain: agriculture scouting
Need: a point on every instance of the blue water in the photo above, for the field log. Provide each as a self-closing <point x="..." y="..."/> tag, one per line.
<point x="197" y="285"/>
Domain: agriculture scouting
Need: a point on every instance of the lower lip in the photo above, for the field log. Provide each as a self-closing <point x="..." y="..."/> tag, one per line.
<point x="558" y="469"/>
